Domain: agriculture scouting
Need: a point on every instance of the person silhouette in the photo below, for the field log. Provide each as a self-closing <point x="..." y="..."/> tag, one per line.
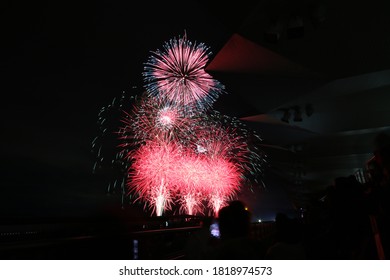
<point x="288" y="244"/>
<point x="235" y="242"/>
<point x="202" y="242"/>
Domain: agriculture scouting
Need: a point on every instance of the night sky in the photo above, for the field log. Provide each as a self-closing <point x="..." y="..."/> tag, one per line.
<point x="61" y="62"/>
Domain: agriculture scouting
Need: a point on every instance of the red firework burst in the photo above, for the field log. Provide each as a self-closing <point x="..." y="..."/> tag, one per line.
<point x="223" y="181"/>
<point x="151" y="175"/>
<point x="198" y="177"/>
<point x="163" y="170"/>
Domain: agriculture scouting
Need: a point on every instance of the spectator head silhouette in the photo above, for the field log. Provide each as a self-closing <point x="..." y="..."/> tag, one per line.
<point x="234" y="220"/>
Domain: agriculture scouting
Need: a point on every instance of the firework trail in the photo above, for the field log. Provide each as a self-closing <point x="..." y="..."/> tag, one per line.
<point x="109" y="159"/>
<point x="177" y="73"/>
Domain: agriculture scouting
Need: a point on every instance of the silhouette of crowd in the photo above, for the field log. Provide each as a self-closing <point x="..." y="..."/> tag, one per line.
<point x="349" y="220"/>
<point x="234" y="240"/>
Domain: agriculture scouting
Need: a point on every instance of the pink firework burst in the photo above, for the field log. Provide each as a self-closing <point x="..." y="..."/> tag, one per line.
<point x="155" y="118"/>
<point x="191" y="176"/>
<point x="225" y="136"/>
<point x="191" y="202"/>
<point x="162" y="171"/>
<point x="199" y="164"/>
<point x="222" y="142"/>
<point x="173" y="148"/>
<point x="152" y="173"/>
<point x="200" y="176"/>
<point x="223" y="182"/>
<point x="177" y="73"/>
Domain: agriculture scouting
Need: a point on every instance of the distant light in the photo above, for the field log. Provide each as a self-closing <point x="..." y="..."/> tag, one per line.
<point x="214" y="230"/>
<point x="246" y="208"/>
<point x="259" y="220"/>
<point x="135" y="249"/>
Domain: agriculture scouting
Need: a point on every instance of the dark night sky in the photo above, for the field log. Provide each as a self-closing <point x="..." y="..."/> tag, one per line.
<point x="61" y="61"/>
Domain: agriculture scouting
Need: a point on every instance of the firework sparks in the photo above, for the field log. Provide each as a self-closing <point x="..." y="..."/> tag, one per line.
<point x="229" y="138"/>
<point x="177" y="73"/>
<point x="110" y="159"/>
<point x="223" y="142"/>
<point x="223" y="183"/>
<point x="151" y="175"/>
<point x="154" y="118"/>
<point x="191" y="203"/>
<point x="173" y="149"/>
<point x="164" y="169"/>
<point x="198" y="176"/>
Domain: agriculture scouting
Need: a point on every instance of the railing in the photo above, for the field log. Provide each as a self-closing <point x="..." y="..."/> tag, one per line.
<point x="157" y="238"/>
<point x="162" y="238"/>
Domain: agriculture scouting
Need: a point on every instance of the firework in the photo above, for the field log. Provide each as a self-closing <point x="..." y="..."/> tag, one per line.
<point x="227" y="137"/>
<point x="222" y="182"/>
<point x="151" y="174"/>
<point x="155" y="118"/>
<point x="174" y="150"/>
<point x="199" y="176"/>
<point x="191" y="202"/>
<point x="162" y="170"/>
<point x="178" y="74"/>
<point x="216" y="140"/>
<point x="109" y="159"/>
